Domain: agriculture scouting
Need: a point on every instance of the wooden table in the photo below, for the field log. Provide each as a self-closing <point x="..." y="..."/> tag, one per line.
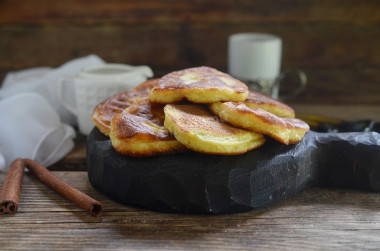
<point x="315" y="219"/>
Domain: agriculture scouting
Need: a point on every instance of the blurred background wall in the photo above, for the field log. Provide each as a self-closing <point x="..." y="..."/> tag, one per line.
<point x="336" y="42"/>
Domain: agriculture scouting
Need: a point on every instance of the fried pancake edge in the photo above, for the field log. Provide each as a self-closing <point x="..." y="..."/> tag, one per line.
<point x="205" y="141"/>
<point x="135" y="136"/>
<point x="258" y="100"/>
<point x="260" y="121"/>
<point x="199" y="88"/>
<point x="104" y="111"/>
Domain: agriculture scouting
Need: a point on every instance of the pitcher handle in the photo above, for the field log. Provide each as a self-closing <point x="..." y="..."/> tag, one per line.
<point x="300" y="88"/>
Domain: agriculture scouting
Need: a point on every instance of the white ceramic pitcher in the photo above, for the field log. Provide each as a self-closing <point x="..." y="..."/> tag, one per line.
<point x="94" y="84"/>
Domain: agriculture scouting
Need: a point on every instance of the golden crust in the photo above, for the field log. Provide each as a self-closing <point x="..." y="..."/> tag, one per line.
<point x="199" y="85"/>
<point x="140" y="124"/>
<point x="104" y="112"/>
<point x="284" y="130"/>
<point x="259" y="100"/>
<point x="297" y="128"/>
<point x="139" y="131"/>
<point x="196" y="128"/>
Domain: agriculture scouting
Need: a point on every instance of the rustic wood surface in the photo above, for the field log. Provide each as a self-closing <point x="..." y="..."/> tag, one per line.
<point x="342" y="112"/>
<point x="315" y="219"/>
<point x="334" y="42"/>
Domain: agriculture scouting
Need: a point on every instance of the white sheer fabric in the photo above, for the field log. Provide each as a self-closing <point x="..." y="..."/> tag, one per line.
<point x="33" y="123"/>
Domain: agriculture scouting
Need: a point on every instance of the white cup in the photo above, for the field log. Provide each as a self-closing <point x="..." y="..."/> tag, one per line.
<point x="94" y="84"/>
<point x="255" y="58"/>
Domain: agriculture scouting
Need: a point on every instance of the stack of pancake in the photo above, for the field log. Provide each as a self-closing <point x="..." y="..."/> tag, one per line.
<point x="201" y="109"/>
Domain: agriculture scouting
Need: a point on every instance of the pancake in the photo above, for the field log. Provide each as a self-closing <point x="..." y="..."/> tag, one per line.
<point x="198" y="85"/>
<point x="259" y="100"/>
<point x="284" y="130"/>
<point x="104" y="112"/>
<point x="139" y="131"/>
<point x="298" y="128"/>
<point x="196" y="128"/>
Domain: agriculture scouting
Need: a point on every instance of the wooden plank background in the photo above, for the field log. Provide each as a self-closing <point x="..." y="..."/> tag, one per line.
<point x="335" y="42"/>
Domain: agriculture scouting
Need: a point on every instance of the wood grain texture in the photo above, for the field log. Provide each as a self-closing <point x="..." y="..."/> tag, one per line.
<point x="210" y="184"/>
<point x="342" y="112"/>
<point x="171" y="12"/>
<point x="319" y="45"/>
<point x="316" y="219"/>
<point x="335" y="43"/>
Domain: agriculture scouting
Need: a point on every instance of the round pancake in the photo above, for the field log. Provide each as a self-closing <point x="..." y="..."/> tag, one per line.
<point x="199" y="85"/>
<point x="139" y="131"/>
<point x="258" y="100"/>
<point x="104" y="112"/>
<point x="196" y="128"/>
<point x="284" y="130"/>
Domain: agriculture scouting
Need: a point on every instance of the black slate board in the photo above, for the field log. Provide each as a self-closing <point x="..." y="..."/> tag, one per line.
<point x="198" y="183"/>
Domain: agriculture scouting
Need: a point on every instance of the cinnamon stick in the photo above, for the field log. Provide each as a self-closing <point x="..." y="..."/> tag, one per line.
<point x="84" y="201"/>
<point x="11" y="190"/>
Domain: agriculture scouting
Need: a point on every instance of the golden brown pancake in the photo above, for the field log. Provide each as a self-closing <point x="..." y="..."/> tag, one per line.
<point x="297" y="128"/>
<point x="139" y="131"/>
<point x="284" y="130"/>
<point x="199" y="85"/>
<point x="104" y="112"/>
<point x="196" y="128"/>
<point x="259" y="100"/>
